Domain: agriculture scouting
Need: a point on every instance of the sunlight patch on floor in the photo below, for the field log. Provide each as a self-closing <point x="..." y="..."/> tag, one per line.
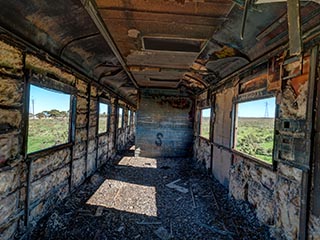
<point x="126" y="197"/>
<point x="138" y="162"/>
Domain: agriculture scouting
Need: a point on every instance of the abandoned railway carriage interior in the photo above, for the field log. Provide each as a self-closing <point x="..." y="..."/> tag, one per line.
<point x="203" y="114"/>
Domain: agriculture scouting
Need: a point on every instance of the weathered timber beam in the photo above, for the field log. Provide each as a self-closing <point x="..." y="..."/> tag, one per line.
<point x="294" y="27"/>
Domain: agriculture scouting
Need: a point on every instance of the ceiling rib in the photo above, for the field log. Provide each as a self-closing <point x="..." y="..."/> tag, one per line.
<point x="93" y="13"/>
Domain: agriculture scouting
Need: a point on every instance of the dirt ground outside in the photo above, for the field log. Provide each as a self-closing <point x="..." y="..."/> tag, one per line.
<point x="147" y="198"/>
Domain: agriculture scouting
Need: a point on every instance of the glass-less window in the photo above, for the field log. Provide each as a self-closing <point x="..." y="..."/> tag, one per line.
<point x="49" y="115"/>
<point x="103" y="118"/>
<point x="129" y="117"/>
<point x="120" y="117"/>
<point x="205" y="123"/>
<point x="254" y="132"/>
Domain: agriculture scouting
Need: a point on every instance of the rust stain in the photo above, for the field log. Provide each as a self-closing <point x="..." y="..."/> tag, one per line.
<point x="225" y="52"/>
<point x="254" y="84"/>
<point x="297" y="82"/>
<point x="274" y="74"/>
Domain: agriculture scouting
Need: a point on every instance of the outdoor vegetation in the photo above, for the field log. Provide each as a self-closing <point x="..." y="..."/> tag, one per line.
<point x="205" y="127"/>
<point x="120" y="120"/>
<point x="49" y="118"/>
<point x="103" y="118"/>
<point x="255" y="137"/>
<point x="205" y="123"/>
<point x="47" y="129"/>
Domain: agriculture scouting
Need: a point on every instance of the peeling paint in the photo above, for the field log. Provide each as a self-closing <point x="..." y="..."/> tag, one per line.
<point x="294" y="106"/>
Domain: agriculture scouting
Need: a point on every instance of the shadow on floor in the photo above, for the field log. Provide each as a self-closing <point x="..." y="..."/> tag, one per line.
<point x="130" y="199"/>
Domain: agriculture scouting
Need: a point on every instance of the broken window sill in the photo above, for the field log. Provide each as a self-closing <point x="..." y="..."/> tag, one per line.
<point x="253" y="159"/>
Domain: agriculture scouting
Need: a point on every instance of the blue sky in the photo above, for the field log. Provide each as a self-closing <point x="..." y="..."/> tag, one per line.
<point x="47" y="100"/>
<point x="205" y="112"/>
<point x="103" y="108"/>
<point x="255" y="108"/>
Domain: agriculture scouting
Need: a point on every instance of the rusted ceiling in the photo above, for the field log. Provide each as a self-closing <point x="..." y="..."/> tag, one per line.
<point x="207" y="30"/>
<point x="64" y="29"/>
<point x="131" y="44"/>
<point x="170" y="24"/>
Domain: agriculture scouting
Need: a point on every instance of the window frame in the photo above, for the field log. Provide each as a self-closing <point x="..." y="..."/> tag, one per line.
<point x="54" y="85"/>
<point x="200" y="122"/>
<point x="129" y="118"/>
<point x="234" y="121"/>
<point x="106" y="102"/>
<point x="122" y="118"/>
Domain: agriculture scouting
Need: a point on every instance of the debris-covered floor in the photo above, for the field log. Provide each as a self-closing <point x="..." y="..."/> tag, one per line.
<point x="146" y="198"/>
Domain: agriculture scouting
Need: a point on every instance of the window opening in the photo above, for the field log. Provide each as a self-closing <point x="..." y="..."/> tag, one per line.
<point x="129" y="117"/>
<point x="120" y="117"/>
<point x="205" y="123"/>
<point x="103" y="118"/>
<point x="254" y="132"/>
<point x="49" y="118"/>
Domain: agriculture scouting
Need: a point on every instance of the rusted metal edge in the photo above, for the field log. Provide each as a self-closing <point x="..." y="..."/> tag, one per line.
<point x="91" y="8"/>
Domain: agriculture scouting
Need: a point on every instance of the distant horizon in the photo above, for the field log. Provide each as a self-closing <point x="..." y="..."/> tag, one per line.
<point x="46" y="100"/>
<point x="252" y="109"/>
<point x="263" y="108"/>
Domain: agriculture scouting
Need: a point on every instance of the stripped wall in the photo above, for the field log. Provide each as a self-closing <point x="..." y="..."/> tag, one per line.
<point x="164" y="124"/>
<point x="275" y="191"/>
<point x="31" y="184"/>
